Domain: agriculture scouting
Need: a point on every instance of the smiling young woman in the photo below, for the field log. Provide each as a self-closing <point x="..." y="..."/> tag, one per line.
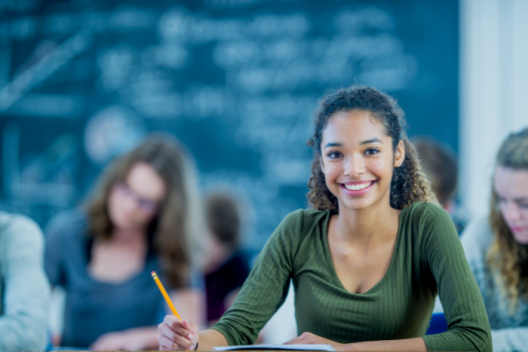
<point x="368" y="261"/>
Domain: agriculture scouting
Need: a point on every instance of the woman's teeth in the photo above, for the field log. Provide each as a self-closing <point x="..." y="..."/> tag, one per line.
<point x="357" y="187"/>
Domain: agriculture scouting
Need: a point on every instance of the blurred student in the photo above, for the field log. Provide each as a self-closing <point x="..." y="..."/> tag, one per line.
<point x="368" y="261"/>
<point x="497" y="247"/>
<point x="226" y="268"/>
<point x="440" y="167"/>
<point x="24" y="289"/>
<point x="144" y="217"/>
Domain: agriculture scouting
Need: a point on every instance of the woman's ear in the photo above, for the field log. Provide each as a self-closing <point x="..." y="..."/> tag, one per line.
<point x="321" y="164"/>
<point x="399" y="154"/>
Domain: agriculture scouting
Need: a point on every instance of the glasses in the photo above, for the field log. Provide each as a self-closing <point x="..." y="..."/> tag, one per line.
<point x="144" y="203"/>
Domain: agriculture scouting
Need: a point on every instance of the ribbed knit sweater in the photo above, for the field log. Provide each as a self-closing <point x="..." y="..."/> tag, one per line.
<point x="427" y="259"/>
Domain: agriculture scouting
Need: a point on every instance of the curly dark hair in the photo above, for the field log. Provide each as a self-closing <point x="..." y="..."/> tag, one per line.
<point x="409" y="183"/>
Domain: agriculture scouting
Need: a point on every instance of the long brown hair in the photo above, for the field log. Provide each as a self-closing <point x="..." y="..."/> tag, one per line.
<point x="177" y="226"/>
<point x="505" y="254"/>
<point x="409" y="183"/>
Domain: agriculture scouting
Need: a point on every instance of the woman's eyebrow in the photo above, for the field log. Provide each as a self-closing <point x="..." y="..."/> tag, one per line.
<point x="333" y="145"/>
<point x="374" y="140"/>
<point x="337" y="144"/>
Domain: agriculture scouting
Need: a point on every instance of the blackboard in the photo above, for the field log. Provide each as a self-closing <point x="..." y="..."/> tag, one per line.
<point x="237" y="81"/>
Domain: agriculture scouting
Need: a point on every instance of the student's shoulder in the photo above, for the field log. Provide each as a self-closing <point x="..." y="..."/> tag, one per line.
<point x="425" y="211"/>
<point x="299" y="223"/>
<point x="423" y="214"/>
<point x="477" y="238"/>
<point x="303" y="219"/>
<point x="9" y="220"/>
<point x="426" y="219"/>
<point x="18" y="227"/>
<point x="71" y="224"/>
<point x="296" y="228"/>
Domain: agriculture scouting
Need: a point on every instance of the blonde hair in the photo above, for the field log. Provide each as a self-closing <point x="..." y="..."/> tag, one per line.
<point x="506" y="255"/>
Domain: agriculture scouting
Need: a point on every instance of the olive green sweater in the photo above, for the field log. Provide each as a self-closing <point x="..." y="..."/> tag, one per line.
<point x="428" y="259"/>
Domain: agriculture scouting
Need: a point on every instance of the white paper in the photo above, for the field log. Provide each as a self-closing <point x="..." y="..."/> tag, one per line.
<point x="277" y="347"/>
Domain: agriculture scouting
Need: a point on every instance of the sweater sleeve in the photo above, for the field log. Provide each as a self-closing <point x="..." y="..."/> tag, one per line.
<point x="23" y="324"/>
<point x="468" y="326"/>
<point x="266" y="288"/>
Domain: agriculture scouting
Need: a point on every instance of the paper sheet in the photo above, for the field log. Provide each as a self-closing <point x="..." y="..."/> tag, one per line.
<point x="277" y="347"/>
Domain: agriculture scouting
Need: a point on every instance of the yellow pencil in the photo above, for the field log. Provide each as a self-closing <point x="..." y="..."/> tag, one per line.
<point x="165" y="295"/>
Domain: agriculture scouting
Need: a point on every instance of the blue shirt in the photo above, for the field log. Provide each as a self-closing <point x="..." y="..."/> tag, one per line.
<point x="92" y="307"/>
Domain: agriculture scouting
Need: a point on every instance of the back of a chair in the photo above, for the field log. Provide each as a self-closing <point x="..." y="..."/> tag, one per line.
<point x="437" y="325"/>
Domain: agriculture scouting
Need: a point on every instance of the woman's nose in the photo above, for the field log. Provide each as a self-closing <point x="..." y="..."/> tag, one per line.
<point x="130" y="203"/>
<point x="511" y="212"/>
<point x="354" y="166"/>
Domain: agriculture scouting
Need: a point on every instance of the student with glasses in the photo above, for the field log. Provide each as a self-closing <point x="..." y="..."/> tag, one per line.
<point x="143" y="217"/>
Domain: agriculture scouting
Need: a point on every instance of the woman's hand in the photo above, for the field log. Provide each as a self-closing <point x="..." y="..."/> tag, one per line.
<point x="309" y="338"/>
<point x="174" y="334"/>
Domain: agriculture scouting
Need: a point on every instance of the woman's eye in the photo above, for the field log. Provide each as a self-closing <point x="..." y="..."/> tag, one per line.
<point x="334" y="155"/>
<point x="371" y="151"/>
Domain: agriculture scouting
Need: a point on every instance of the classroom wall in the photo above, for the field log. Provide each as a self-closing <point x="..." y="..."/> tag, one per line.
<point x="236" y="81"/>
<point x="493" y="90"/>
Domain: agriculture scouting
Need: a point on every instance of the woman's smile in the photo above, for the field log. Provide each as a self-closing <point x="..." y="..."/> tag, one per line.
<point x="357" y="188"/>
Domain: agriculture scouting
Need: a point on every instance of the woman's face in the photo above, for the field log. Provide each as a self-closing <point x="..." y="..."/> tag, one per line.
<point x="357" y="159"/>
<point x="133" y="203"/>
<point x="511" y="187"/>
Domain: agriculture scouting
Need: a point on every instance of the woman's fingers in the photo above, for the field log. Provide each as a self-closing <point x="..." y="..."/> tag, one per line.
<point x="170" y="332"/>
<point x="172" y="321"/>
<point x="298" y="340"/>
<point x="177" y="342"/>
<point x="182" y="341"/>
<point x="293" y="341"/>
<point x="192" y="331"/>
<point x="166" y="331"/>
<point x="173" y="335"/>
<point x="189" y="326"/>
<point x="166" y="344"/>
<point x="183" y="327"/>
